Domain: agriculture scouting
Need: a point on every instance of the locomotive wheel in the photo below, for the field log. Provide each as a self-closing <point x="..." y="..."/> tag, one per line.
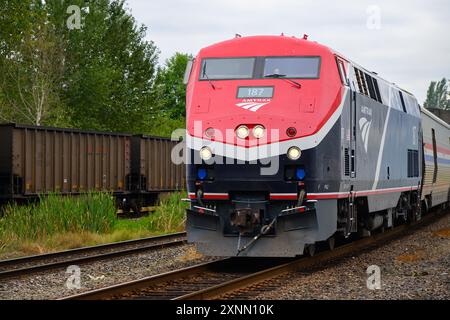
<point x="311" y="250"/>
<point x="331" y="243"/>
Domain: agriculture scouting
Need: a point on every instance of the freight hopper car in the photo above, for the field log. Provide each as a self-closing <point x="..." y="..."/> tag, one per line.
<point x="37" y="161"/>
<point x="153" y="171"/>
<point x="290" y="144"/>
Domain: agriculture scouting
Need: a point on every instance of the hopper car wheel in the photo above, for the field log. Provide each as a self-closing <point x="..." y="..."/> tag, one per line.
<point x="136" y="206"/>
<point x="126" y="209"/>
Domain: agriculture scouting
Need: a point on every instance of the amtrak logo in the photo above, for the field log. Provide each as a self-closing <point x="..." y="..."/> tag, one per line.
<point x="364" y="126"/>
<point x="253" y="104"/>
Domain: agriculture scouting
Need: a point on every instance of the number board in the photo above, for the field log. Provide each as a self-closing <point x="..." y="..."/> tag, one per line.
<point x="255" y="92"/>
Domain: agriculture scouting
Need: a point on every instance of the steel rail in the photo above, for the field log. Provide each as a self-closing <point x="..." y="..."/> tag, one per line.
<point x="302" y="263"/>
<point x="109" y="292"/>
<point x="248" y="280"/>
<point x="144" y="244"/>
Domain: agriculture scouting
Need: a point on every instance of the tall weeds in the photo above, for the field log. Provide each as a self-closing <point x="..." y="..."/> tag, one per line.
<point x="57" y="223"/>
<point x="169" y="215"/>
<point x="53" y="214"/>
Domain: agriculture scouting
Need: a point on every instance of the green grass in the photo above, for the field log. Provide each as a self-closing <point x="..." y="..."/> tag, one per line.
<point x="170" y="215"/>
<point x="58" y="223"/>
<point x="54" y="214"/>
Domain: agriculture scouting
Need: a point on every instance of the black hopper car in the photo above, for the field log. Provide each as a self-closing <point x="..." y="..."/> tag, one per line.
<point x="37" y="161"/>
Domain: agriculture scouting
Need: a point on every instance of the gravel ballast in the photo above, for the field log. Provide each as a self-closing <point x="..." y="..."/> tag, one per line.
<point x="53" y="284"/>
<point x="415" y="266"/>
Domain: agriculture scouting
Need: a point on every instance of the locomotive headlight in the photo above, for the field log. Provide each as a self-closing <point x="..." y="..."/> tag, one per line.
<point x="242" y="132"/>
<point x="205" y="153"/>
<point x="294" y="153"/>
<point x="258" y="131"/>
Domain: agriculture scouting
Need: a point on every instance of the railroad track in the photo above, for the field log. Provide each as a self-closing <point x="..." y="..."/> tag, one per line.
<point x="178" y="283"/>
<point x="221" y="277"/>
<point x="31" y="264"/>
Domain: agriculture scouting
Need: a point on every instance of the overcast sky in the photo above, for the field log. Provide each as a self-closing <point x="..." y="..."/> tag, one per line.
<point x="406" y="42"/>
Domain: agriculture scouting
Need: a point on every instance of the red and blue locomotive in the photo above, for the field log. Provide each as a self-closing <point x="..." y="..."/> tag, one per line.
<point x="290" y="144"/>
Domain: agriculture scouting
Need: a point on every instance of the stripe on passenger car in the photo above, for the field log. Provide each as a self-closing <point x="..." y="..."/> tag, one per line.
<point x="340" y="195"/>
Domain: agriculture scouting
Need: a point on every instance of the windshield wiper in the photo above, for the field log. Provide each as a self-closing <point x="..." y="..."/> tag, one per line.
<point x="274" y="75"/>
<point x="207" y="78"/>
<point x="281" y="76"/>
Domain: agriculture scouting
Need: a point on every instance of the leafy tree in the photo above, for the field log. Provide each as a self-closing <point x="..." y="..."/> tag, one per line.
<point x="437" y="95"/>
<point x="29" y="76"/>
<point x="97" y="77"/>
<point x="163" y="126"/>
<point x="110" y="69"/>
<point x="169" y="89"/>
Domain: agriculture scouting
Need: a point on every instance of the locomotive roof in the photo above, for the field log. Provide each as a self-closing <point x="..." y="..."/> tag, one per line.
<point x="264" y="45"/>
<point x="271" y="45"/>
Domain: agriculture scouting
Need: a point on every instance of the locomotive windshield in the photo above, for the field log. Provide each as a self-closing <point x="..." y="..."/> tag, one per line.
<point x="292" y="67"/>
<point x="233" y="68"/>
<point x="266" y="67"/>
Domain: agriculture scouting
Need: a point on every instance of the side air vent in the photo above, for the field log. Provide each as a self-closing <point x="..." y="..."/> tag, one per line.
<point x="346" y="162"/>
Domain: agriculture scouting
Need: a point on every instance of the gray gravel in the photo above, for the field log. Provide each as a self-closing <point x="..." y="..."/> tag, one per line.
<point x="99" y="249"/>
<point x="417" y="266"/>
<point x="52" y="284"/>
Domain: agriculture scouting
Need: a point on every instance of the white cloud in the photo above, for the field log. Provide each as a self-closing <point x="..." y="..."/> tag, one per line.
<point x="411" y="48"/>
